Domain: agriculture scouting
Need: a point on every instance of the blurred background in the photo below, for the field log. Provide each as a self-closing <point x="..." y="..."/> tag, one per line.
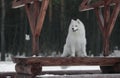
<point x="16" y="38"/>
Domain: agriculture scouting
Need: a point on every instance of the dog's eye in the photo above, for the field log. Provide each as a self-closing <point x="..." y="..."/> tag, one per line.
<point x="75" y="25"/>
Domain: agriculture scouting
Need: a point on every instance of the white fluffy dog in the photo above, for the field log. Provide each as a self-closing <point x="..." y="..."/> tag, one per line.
<point x="76" y="40"/>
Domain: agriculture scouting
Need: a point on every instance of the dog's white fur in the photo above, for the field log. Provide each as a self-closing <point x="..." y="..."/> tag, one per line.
<point x="76" y="40"/>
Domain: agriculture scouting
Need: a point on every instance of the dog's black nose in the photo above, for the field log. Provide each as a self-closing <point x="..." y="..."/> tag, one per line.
<point x="72" y="28"/>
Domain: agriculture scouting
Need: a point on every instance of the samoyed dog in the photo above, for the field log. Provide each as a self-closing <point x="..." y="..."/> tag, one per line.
<point x="76" y="41"/>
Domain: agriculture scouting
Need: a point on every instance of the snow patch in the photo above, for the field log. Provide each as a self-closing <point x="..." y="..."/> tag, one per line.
<point x="7" y="67"/>
<point x="116" y="53"/>
<point x="10" y="67"/>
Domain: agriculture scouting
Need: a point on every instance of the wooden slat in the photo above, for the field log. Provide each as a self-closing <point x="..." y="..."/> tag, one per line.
<point x="41" y="17"/>
<point x="30" y="18"/>
<point x="7" y="74"/>
<point x="21" y="3"/>
<point x="84" y="6"/>
<point x="61" y="61"/>
<point x="113" y="18"/>
<point x="100" y="19"/>
<point x="84" y="76"/>
<point x="72" y="72"/>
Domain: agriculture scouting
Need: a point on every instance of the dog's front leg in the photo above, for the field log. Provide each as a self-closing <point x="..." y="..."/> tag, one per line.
<point x="73" y="51"/>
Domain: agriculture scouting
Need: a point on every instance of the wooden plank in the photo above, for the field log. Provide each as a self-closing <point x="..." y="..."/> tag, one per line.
<point x="41" y="17"/>
<point x="72" y="72"/>
<point x="67" y="61"/>
<point x="30" y="18"/>
<point x="100" y="19"/>
<point x="21" y="3"/>
<point x="85" y="6"/>
<point x="83" y="76"/>
<point x="33" y="69"/>
<point x="7" y="74"/>
<point x="24" y="76"/>
<point x="68" y="72"/>
<point x="32" y="12"/>
<point x="113" y="18"/>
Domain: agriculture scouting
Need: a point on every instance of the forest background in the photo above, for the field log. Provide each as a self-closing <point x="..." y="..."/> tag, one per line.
<point x="14" y="27"/>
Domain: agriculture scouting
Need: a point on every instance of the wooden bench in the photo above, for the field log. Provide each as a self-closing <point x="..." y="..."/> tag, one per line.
<point x="7" y="74"/>
<point x="33" y="65"/>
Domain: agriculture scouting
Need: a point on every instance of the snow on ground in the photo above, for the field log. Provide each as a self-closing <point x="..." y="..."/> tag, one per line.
<point x="82" y="76"/>
<point x="9" y="66"/>
<point x="71" y="68"/>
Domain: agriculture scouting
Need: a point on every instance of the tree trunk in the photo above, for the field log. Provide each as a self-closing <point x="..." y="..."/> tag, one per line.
<point x="62" y="23"/>
<point x="50" y="12"/>
<point x="2" y="31"/>
<point x="62" y="14"/>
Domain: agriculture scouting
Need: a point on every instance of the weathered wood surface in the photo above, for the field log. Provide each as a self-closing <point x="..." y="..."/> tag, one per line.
<point x="72" y="72"/>
<point x="24" y="76"/>
<point x="62" y="61"/>
<point x="60" y="72"/>
<point x="106" y="19"/>
<point x="32" y="69"/>
<point x="33" y="65"/>
<point x="41" y="17"/>
<point x="7" y="74"/>
<point x="85" y="5"/>
<point x="21" y="3"/>
<point x="36" y="12"/>
<point x="84" y="76"/>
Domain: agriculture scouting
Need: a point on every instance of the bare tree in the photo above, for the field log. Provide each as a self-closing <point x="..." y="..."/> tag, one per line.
<point x="2" y="30"/>
<point x="62" y="14"/>
<point x="50" y="12"/>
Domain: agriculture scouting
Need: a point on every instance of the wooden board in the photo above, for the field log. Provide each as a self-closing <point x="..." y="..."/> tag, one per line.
<point x="85" y="5"/>
<point x="67" y="61"/>
<point x="21" y="3"/>
<point x="84" y="76"/>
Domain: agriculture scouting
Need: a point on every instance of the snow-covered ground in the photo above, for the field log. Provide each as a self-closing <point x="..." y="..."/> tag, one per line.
<point x="10" y="67"/>
<point x="7" y="66"/>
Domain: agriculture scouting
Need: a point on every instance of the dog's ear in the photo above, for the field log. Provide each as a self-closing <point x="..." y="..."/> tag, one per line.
<point x="78" y="21"/>
<point x="72" y="20"/>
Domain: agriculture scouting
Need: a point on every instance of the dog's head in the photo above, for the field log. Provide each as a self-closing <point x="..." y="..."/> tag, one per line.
<point x="74" y="25"/>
